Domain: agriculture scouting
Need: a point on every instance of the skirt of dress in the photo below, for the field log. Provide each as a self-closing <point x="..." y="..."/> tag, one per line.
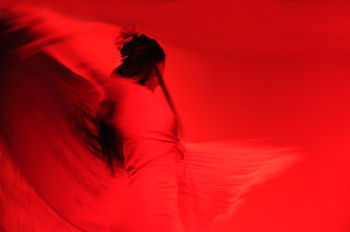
<point x="212" y="180"/>
<point x="215" y="176"/>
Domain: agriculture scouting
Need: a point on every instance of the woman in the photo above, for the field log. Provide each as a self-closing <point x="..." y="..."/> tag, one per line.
<point x="103" y="154"/>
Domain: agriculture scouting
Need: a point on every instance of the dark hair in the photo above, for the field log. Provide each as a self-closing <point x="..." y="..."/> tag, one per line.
<point x="140" y="58"/>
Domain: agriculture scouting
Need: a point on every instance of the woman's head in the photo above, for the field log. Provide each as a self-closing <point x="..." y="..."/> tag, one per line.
<point x="143" y="60"/>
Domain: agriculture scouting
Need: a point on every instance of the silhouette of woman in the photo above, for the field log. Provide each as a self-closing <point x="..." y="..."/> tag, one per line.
<point x="81" y="151"/>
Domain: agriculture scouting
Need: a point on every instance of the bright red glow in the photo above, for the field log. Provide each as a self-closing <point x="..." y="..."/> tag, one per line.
<point x="245" y="70"/>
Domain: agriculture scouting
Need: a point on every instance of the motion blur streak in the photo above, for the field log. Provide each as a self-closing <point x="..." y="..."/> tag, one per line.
<point x="252" y="69"/>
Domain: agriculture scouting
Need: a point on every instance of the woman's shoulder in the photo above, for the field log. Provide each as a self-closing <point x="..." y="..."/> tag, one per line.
<point x="135" y="100"/>
<point x="123" y="87"/>
<point x="126" y="90"/>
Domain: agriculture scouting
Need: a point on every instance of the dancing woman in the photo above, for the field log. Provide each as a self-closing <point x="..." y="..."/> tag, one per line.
<point x="96" y="153"/>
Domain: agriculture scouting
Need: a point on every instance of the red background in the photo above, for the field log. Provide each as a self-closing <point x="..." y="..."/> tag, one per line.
<point x="258" y="69"/>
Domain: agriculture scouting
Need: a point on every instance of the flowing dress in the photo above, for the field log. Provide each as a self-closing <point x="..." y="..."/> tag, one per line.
<point x="50" y="180"/>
